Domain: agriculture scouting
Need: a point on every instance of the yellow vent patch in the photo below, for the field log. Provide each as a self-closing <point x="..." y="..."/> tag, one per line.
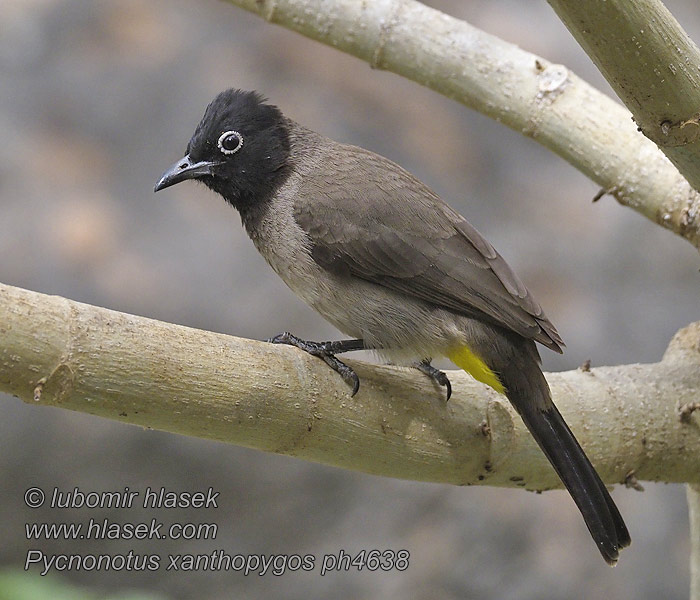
<point x="466" y="360"/>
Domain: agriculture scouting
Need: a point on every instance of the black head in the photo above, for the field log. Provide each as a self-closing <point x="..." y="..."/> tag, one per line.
<point x="240" y="149"/>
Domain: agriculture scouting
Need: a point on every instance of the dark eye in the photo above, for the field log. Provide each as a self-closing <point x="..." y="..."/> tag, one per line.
<point x="230" y="142"/>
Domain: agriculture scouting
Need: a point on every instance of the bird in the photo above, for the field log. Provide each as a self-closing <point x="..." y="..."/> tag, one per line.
<point x="386" y="261"/>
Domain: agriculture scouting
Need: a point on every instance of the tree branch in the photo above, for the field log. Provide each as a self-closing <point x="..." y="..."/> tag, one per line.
<point x="693" y="493"/>
<point x="652" y="65"/>
<point x="62" y="353"/>
<point x="541" y="100"/>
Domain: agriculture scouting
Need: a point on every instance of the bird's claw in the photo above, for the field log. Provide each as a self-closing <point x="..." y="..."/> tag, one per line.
<point x="436" y="375"/>
<point x="323" y="351"/>
<point x="282" y="338"/>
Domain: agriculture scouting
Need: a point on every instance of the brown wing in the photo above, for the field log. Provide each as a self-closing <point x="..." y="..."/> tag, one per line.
<point x="368" y="218"/>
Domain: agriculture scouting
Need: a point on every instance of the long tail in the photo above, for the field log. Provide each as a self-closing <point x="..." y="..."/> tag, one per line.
<point x="527" y="389"/>
<point x="578" y="475"/>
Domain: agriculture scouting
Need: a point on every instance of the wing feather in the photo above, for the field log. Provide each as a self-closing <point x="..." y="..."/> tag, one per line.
<point x="373" y="220"/>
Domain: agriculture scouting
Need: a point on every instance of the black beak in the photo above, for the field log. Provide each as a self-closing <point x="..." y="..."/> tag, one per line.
<point x="184" y="169"/>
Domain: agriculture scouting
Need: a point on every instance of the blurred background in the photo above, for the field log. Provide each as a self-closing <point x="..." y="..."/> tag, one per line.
<point x="98" y="97"/>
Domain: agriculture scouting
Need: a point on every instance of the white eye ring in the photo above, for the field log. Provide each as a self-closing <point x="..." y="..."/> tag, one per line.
<point x="223" y="137"/>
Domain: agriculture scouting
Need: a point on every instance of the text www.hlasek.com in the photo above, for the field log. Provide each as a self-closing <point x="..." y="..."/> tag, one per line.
<point x="162" y="498"/>
<point x="108" y="530"/>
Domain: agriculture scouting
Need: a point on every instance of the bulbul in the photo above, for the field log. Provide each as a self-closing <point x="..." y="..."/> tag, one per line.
<point x="387" y="262"/>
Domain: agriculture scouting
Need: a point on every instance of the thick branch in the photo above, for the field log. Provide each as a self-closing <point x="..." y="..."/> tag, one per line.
<point x="58" y="352"/>
<point x="652" y="65"/>
<point x="544" y="101"/>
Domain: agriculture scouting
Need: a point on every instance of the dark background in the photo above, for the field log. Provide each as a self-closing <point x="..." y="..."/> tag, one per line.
<point x="98" y="97"/>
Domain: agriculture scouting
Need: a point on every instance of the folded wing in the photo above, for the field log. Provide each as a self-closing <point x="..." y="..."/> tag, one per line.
<point x="377" y="222"/>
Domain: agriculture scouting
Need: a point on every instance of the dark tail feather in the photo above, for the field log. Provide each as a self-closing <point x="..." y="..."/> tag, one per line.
<point x="528" y="391"/>
<point x="578" y="475"/>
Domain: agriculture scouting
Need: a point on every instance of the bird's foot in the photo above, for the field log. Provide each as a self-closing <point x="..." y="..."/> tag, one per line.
<point x="326" y="351"/>
<point x="436" y="375"/>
